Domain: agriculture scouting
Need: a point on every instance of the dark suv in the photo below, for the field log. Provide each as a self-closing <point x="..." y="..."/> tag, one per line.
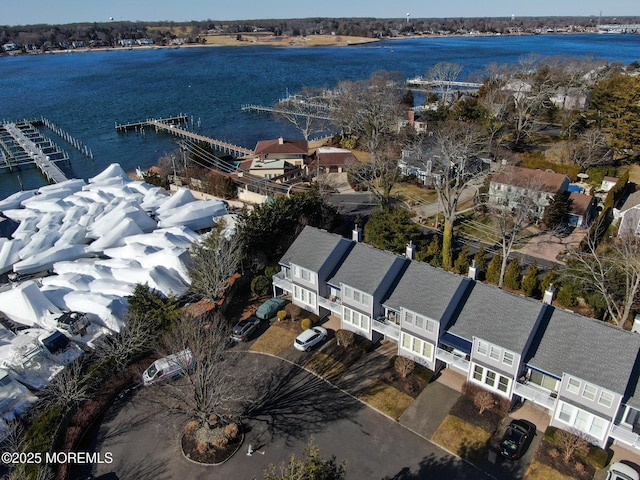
<point x="516" y="439"/>
<point x="244" y="328"/>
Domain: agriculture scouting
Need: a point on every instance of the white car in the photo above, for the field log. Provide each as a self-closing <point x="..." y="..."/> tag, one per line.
<point x="309" y="338"/>
<point x="622" y="471"/>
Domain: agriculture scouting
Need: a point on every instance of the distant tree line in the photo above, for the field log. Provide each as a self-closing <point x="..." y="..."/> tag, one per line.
<point x="33" y="37"/>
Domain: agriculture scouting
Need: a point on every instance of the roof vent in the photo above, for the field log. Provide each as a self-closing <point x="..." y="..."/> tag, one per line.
<point x="356" y="234"/>
<point x="410" y="251"/>
<point x="473" y="271"/>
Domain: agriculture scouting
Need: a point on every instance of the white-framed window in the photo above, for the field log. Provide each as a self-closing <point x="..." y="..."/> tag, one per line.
<point x="545" y="381"/>
<point x="304" y="274"/>
<point x="482" y="348"/>
<point x="582" y="420"/>
<point x="573" y="385"/>
<point x="408" y="317"/>
<point x="493" y="380"/>
<point x="494" y="352"/>
<point x="417" y="346"/>
<point x="356" y="296"/>
<point x="606" y="399"/>
<point x="356" y="319"/>
<point x="507" y="358"/>
<point x="419" y="321"/>
<point x="589" y="391"/>
<point x="304" y="296"/>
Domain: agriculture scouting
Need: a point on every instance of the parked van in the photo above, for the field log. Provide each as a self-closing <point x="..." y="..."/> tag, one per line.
<point x="168" y="367"/>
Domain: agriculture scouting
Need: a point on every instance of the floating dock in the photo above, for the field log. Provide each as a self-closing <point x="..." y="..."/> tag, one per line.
<point x="22" y="143"/>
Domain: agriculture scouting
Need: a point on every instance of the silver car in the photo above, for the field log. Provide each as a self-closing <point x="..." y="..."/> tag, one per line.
<point x="309" y="338"/>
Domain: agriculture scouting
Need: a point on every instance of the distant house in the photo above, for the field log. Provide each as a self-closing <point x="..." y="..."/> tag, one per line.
<point x="331" y="160"/>
<point x="274" y="158"/>
<point x="608" y="183"/>
<point x="509" y="185"/>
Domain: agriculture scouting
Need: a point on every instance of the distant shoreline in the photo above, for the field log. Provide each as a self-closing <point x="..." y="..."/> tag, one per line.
<point x="251" y="39"/>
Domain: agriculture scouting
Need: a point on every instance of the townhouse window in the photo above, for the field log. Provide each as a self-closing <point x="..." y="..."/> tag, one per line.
<point x="419" y="321"/>
<point x="303" y="274"/>
<point x="417" y="346"/>
<point x="357" y="296"/>
<point x="573" y="385"/>
<point x="494" y="353"/>
<point x="589" y="391"/>
<point x="408" y="317"/>
<point x="582" y="420"/>
<point x="606" y="399"/>
<point x="431" y="326"/>
<point x="305" y="296"/>
<point x="543" y="380"/>
<point x="356" y="319"/>
<point x="491" y="379"/>
<point x="482" y="347"/>
<point x="507" y="358"/>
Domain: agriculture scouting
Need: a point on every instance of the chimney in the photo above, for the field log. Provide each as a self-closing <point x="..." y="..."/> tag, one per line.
<point x="410" y="251"/>
<point x="356" y="234"/>
<point x="549" y="295"/>
<point x="280" y="141"/>
<point x="473" y="271"/>
<point x="412" y="117"/>
<point x="636" y="324"/>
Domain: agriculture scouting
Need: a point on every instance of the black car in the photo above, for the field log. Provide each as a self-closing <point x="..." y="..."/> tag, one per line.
<point x="244" y="328"/>
<point x="516" y="439"/>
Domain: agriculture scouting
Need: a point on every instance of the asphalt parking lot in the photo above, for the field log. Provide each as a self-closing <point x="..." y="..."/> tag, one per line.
<point x="144" y="442"/>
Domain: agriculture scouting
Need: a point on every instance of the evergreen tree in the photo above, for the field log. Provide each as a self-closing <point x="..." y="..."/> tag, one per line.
<point x="433" y="255"/>
<point x="391" y="229"/>
<point x="557" y="210"/>
<point x="550" y="278"/>
<point x="512" y="275"/>
<point x="463" y="260"/>
<point x="493" y="269"/>
<point x="530" y="283"/>
<point x="480" y="259"/>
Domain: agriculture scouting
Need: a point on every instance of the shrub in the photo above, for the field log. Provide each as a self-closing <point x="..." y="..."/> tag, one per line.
<point x="220" y="442"/>
<point x="598" y="457"/>
<point x="571" y="443"/>
<point x="271" y="270"/>
<point x="463" y="260"/>
<point x="191" y="427"/>
<point x="261" y="285"/>
<point x="293" y="311"/>
<point x="404" y="366"/>
<point x="530" y="284"/>
<point x="567" y="296"/>
<point x="345" y="338"/>
<point x="282" y="315"/>
<point x="231" y="430"/>
<point x="202" y="447"/>
<point x="500" y="405"/>
<point x="483" y="400"/>
<point x="493" y="269"/>
<point x="306" y="323"/>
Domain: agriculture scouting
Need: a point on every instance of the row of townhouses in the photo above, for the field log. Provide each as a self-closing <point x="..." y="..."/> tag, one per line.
<point x="583" y="371"/>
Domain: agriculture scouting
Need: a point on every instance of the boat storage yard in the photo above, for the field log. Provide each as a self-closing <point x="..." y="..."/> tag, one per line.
<point x="88" y="244"/>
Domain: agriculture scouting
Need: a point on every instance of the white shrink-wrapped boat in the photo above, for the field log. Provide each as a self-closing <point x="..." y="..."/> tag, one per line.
<point x="195" y="215"/>
<point x="45" y="260"/>
<point x="15" y="399"/>
<point x="10" y="254"/>
<point x="106" y="310"/>
<point x="26" y="305"/>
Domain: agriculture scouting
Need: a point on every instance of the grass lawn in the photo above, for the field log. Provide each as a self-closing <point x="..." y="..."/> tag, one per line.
<point x="387" y="399"/>
<point x="539" y="471"/>
<point x="413" y="194"/>
<point x="325" y="366"/>
<point x="275" y="340"/>
<point x="463" y="438"/>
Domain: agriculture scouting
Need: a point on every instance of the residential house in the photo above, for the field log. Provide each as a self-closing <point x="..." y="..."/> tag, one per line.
<point x="509" y="185"/>
<point x="629" y="215"/>
<point x="608" y="183"/>
<point x="584" y="372"/>
<point x="305" y="267"/>
<point x="582" y="210"/>
<point x="331" y="160"/>
<point x="273" y="158"/>
<point x="363" y="281"/>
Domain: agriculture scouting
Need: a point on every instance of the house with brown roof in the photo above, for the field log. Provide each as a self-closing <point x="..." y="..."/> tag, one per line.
<point x="582" y="209"/>
<point x="513" y="183"/>
<point x="331" y="160"/>
<point x="274" y="158"/>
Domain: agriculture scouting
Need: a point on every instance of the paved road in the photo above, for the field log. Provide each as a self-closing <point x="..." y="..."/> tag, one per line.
<point x="144" y="442"/>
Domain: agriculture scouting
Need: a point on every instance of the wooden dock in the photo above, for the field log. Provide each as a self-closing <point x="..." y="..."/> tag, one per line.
<point x="172" y="126"/>
<point x="283" y="111"/>
<point x="24" y="149"/>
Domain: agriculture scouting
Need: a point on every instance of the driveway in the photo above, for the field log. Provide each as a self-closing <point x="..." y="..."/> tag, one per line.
<point x="144" y="442"/>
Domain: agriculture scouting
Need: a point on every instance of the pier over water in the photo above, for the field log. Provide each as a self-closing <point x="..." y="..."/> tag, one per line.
<point x="22" y="143"/>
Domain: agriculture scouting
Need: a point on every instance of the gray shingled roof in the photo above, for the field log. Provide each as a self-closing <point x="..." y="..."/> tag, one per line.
<point x="589" y="349"/>
<point x="312" y="248"/>
<point x="498" y="317"/>
<point x="424" y="289"/>
<point x="365" y="267"/>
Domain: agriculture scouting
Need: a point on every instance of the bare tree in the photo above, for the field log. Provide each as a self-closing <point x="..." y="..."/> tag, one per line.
<point x="455" y="148"/>
<point x="136" y="337"/>
<point x="404" y="366"/>
<point x="441" y="76"/>
<point x="309" y="111"/>
<point x="571" y="443"/>
<point x="372" y="111"/>
<point x="591" y="148"/>
<point x="67" y="389"/>
<point x="210" y="390"/>
<point x="215" y="260"/>
<point x="483" y="400"/>
<point x="612" y="271"/>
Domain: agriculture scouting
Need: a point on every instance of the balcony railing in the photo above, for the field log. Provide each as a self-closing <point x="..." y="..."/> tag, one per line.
<point x="332" y="303"/>
<point x="388" y="329"/>
<point x="535" y="394"/>
<point x="280" y="281"/>
<point x="452" y="360"/>
<point x="624" y="434"/>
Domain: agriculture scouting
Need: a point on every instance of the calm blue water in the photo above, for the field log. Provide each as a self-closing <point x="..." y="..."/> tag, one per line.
<point x="87" y="93"/>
